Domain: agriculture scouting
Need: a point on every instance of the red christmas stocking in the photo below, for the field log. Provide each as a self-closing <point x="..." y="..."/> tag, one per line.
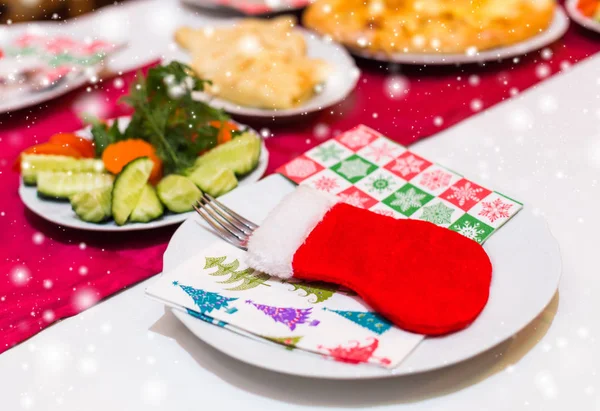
<point x="424" y="278"/>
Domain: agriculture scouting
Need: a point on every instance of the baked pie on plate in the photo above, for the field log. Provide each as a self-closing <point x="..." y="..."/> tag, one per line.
<point x="438" y="31"/>
<point x="267" y="68"/>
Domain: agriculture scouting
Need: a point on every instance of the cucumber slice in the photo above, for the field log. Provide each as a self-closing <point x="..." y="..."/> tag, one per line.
<point x="178" y="193"/>
<point x="239" y="155"/>
<point x="29" y="180"/>
<point x="148" y="207"/>
<point x="128" y="188"/>
<point x="64" y="184"/>
<point x="93" y="206"/>
<point x="32" y="164"/>
<point x="215" y="181"/>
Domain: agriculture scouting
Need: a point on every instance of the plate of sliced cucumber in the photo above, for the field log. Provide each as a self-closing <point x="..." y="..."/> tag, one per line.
<point x="80" y="193"/>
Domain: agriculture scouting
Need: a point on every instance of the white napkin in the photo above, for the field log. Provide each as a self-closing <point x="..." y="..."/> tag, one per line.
<point x="216" y="286"/>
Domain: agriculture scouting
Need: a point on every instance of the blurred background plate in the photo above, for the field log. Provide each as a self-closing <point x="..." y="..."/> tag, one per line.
<point x="338" y="86"/>
<point x="250" y="7"/>
<point x="579" y="18"/>
<point x="16" y="101"/>
<point x="12" y="101"/>
<point x="558" y="27"/>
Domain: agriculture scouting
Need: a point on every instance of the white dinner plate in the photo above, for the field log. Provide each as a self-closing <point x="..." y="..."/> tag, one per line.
<point x="17" y="101"/>
<point x="575" y="14"/>
<point x="340" y="83"/>
<point x="557" y="28"/>
<point x="527" y="269"/>
<point x="60" y="212"/>
<point x="26" y="99"/>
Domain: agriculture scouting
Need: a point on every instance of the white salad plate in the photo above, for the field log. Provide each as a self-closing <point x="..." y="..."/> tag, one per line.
<point x="575" y="14"/>
<point x="527" y="268"/>
<point x="341" y="80"/>
<point x="557" y="28"/>
<point x="60" y="212"/>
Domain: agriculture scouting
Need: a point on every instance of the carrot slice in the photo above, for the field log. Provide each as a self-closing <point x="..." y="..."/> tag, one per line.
<point x="47" y="148"/>
<point x="118" y="155"/>
<point x="84" y="146"/>
<point x="225" y="129"/>
<point x="587" y="7"/>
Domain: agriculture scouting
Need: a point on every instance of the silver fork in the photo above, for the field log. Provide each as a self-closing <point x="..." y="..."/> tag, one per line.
<point x="226" y="223"/>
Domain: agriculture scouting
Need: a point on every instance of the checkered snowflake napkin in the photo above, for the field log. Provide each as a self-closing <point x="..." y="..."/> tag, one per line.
<point x="368" y="170"/>
<point x="53" y="56"/>
<point x="59" y="50"/>
<point x="217" y="287"/>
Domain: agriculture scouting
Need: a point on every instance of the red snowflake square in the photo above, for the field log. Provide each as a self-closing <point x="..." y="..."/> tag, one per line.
<point x="407" y="165"/>
<point x="327" y="181"/>
<point x="357" y="198"/>
<point x="299" y="169"/>
<point x="495" y="210"/>
<point x="465" y="194"/>
<point x="358" y="137"/>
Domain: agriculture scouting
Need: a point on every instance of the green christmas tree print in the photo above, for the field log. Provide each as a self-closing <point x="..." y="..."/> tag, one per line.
<point x="207" y="301"/>
<point x="368" y="320"/>
<point x="289" y="342"/>
<point x="249" y="278"/>
<point x="316" y="291"/>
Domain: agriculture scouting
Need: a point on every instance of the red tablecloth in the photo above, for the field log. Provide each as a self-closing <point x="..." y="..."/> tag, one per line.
<point x="49" y="272"/>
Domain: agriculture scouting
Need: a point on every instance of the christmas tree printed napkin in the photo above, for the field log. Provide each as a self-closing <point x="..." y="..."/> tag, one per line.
<point x="368" y="170"/>
<point x="216" y="286"/>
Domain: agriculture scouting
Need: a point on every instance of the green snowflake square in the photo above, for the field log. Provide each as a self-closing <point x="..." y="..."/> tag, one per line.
<point x="408" y="199"/>
<point x="329" y="153"/>
<point x="472" y="228"/>
<point x="354" y="168"/>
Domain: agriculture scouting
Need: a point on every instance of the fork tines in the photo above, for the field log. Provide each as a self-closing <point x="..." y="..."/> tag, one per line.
<point x="226" y="223"/>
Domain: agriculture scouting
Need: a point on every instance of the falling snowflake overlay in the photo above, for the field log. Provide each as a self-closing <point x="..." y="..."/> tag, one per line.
<point x="408" y="165"/>
<point x="437" y="214"/>
<point x="408" y="199"/>
<point x="494" y="210"/>
<point x="353" y="168"/>
<point x="435" y="179"/>
<point x="465" y="193"/>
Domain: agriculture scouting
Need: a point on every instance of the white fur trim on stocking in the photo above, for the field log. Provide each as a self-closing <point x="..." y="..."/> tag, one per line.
<point x="272" y="246"/>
